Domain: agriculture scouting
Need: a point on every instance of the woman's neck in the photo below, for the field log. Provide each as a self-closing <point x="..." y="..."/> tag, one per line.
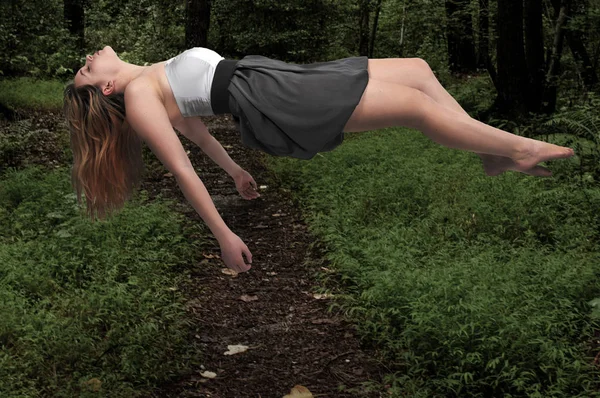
<point x="127" y="73"/>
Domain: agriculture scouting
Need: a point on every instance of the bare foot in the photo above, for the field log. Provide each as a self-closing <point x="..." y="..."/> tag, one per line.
<point x="534" y="152"/>
<point x="496" y="165"/>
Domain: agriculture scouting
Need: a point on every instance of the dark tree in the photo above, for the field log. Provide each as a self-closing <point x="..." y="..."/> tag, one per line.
<point x="534" y="51"/>
<point x="461" y="44"/>
<point x="512" y="77"/>
<point x="560" y="17"/>
<point x="363" y="27"/>
<point x="374" y="32"/>
<point x="197" y="22"/>
<point x="483" y="53"/>
<point x="75" y="21"/>
<point x="575" y="39"/>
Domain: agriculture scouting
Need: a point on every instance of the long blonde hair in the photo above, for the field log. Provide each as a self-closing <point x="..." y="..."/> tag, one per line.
<point x="107" y="153"/>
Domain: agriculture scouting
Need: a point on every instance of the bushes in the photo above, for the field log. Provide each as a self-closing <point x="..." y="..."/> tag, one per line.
<point x="473" y="286"/>
<point x="86" y="305"/>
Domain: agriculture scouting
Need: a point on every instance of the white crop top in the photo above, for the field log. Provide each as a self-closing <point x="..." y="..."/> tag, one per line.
<point x="190" y="75"/>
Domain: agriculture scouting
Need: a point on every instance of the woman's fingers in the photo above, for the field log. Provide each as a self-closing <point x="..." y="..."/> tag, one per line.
<point x="248" y="255"/>
<point x="250" y="192"/>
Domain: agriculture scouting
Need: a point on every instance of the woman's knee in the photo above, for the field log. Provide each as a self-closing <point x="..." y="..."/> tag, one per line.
<point x="422" y="68"/>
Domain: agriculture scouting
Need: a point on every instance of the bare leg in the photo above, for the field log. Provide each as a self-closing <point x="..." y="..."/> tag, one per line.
<point x="386" y="104"/>
<point x="416" y="73"/>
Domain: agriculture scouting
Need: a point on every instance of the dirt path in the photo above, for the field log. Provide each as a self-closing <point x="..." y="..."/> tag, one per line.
<point x="291" y="336"/>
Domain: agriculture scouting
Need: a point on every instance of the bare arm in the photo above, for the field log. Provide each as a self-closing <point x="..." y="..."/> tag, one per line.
<point x="148" y="117"/>
<point x="197" y="132"/>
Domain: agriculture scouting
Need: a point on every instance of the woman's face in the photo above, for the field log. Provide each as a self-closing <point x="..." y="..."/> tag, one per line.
<point x="99" y="69"/>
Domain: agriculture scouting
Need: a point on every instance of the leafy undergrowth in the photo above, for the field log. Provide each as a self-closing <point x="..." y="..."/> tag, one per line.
<point x="87" y="308"/>
<point x="31" y="94"/>
<point x="473" y="286"/>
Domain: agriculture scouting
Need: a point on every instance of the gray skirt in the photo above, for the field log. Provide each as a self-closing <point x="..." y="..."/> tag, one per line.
<point x="295" y="110"/>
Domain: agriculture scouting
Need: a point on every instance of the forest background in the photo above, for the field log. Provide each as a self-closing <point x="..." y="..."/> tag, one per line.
<point x="488" y="293"/>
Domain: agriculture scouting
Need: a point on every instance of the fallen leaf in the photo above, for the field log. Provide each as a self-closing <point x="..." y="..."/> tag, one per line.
<point x="322" y="296"/>
<point x="272" y="273"/>
<point x="299" y="392"/>
<point x="208" y="375"/>
<point x="210" y="255"/>
<point x="168" y="175"/>
<point x="230" y="272"/>
<point x="235" y="349"/>
<point x="245" y="298"/>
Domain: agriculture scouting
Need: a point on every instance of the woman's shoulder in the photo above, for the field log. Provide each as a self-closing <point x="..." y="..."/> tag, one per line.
<point x="141" y="88"/>
<point x="152" y="90"/>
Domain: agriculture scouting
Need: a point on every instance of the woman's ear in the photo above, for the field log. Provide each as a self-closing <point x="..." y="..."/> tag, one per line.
<point x="108" y="88"/>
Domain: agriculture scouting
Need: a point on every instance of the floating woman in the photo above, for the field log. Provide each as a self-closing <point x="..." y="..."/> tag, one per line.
<point x="282" y="109"/>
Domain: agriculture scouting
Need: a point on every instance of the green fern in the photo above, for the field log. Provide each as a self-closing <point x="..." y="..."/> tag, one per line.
<point x="584" y="125"/>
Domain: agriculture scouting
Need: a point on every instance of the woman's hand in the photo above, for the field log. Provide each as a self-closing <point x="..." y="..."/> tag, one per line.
<point x="245" y="185"/>
<point x="232" y="251"/>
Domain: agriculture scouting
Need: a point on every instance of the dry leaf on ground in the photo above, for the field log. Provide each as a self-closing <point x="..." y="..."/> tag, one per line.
<point x="322" y="296"/>
<point x="245" y="298"/>
<point x="208" y="375"/>
<point x="235" y="349"/>
<point x="299" y="392"/>
<point x="230" y="272"/>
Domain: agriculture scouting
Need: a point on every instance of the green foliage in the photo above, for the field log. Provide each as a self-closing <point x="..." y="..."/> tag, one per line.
<point x="32" y="94"/>
<point x="474" y="93"/>
<point x="412" y="28"/>
<point x="473" y="286"/>
<point x="582" y="123"/>
<point x="33" y="40"/>
<point x="141" y="32"/>
<point x="85" y="303"/>
<point x="291" y="30"/>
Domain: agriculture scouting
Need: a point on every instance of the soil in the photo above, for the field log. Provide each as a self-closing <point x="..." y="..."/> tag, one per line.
<point x="274" y="309"/>
<point x="292" y="337"/>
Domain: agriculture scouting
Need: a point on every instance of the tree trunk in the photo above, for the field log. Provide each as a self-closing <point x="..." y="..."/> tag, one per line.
<point x="554" y="63"/>
<point x="374" y="32"/>
<point x="461" y="46"/>
<point x="363" y="32"/>
<point x="483" y="54"/>
<point x="402" y="30"/>
<point x="512" y="81"/>
<point x="75" y="21"/>
<point x="534" y="51"/>
<point x="483" y="48"/>
<point x="588" y="73"/>
<point x="197" y="21"/>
